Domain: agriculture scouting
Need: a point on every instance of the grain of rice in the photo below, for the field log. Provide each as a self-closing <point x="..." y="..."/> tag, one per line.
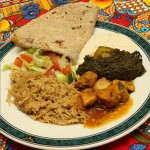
<point x="43" y="99"/>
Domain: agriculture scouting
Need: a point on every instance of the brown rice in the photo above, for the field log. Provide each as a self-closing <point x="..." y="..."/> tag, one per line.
<point x="44" y="99"/>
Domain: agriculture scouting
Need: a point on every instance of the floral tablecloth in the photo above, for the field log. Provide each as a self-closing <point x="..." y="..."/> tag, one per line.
<point x="133" y="14"/>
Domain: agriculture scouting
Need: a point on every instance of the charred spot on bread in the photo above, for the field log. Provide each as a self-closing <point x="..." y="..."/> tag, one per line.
<point x="59" y="42"/>
<point x="83" y="12"/>
<point x="77" y="27"/>
<point x="30" y="40"/>
<point x="54" y="12"/>
<point x="89" y="6"/>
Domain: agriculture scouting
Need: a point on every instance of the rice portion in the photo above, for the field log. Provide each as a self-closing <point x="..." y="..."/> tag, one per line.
<point x="44" y="99"/>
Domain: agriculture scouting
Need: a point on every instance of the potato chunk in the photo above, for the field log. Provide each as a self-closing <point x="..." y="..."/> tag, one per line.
<point x="120" y="90"/>
<point x="113" y="95"/>
<point x="102" y="83"/>
<point x="88" y="97"/>
<point x="128" y="84"/>
<point x="108" y="98"/>
<point x="88" y="79"/>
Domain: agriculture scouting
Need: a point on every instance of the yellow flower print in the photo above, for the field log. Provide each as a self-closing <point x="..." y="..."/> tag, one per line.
<point x="102" y="3"/>
<point x="4" y="25"/>
<point x="147" y="2"/>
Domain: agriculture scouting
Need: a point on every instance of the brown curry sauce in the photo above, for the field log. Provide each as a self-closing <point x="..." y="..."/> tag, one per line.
<point x="99" y="117"/>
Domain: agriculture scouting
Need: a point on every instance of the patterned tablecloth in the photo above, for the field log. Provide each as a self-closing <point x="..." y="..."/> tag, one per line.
<point x="133" y="14"/>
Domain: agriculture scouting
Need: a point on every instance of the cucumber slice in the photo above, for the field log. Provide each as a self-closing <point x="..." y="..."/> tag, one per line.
<point x="61" y="78"/>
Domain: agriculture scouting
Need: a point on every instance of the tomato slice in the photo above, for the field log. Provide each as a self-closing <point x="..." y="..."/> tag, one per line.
<point x="67" y="69"/>
<point x="18" y="62"/>
<point x="27" y="58"/>
<point x="56" y="65"/>
<point x="50" y="72"/>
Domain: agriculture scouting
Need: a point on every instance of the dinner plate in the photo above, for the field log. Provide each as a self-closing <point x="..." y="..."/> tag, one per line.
<point x="19" y="127"/>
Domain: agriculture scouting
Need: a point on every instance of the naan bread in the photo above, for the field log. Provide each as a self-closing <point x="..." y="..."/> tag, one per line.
<point x="64" y="30"/>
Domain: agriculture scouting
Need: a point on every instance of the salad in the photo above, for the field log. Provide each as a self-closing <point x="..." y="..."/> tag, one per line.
<point x="45" y="62"/>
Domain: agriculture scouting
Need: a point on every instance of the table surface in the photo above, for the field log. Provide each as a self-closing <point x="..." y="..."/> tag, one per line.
<point x="13" y="15"/>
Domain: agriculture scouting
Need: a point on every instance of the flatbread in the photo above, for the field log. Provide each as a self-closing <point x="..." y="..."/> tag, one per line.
<point x="64" y="30"/>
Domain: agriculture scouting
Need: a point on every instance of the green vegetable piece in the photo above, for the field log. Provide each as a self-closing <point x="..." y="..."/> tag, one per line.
<point x="74" y="74"/>
<point x="41" y="52"/>
<point x="42" y="61"/>
<point x="6" y="67"/>
<point x="63" y="62"/>
<point x="26" y="64"/>
<point x="38" y="69"/>
<point x="70" y="78"/>
<point x="14" y="67"/>
<point x="61" y="78"/>
<point x="120" y="86"/>
<point x="31" y="50"/>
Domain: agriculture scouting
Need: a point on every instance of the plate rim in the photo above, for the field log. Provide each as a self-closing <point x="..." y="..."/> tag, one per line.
<point x="88" y="141"/>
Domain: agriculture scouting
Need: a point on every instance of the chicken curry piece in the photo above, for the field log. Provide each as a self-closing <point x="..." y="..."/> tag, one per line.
<point x="88" y="79"/>
<point x="108" y="94"/>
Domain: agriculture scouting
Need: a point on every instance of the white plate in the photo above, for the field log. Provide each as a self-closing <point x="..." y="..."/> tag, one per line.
<point x="20" y="128"/>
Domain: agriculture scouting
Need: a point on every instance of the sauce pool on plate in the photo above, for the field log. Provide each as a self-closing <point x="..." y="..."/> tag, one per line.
<point x="99" y="117"/>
